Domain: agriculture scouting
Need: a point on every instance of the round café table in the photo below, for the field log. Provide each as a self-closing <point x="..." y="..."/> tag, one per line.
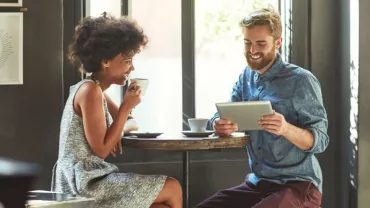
<point x="186" y="144"/>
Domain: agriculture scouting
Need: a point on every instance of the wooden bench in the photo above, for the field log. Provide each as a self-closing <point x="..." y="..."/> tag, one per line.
<point x="47" y="199"/>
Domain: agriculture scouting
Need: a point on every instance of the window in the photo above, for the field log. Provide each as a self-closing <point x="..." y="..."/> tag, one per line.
<point x="286" y="19"/>
<point x="160" y="62"/>
<point x="354" y="83"/>
<point x="96" y="8"/>
<point x="218" y="55"/>
<point x="219" y="49"/>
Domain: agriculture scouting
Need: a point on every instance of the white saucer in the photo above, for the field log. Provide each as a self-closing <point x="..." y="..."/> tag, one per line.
<point x="197" y="134"/>
<point x="144" y="134"/>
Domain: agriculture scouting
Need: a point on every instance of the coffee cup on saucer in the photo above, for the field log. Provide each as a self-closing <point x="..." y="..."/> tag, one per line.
<point x="198" y="124"/>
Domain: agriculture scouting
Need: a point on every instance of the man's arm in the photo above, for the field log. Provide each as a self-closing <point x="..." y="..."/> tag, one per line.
<point x="311" y="134"/>
<point x="302" y="138"/>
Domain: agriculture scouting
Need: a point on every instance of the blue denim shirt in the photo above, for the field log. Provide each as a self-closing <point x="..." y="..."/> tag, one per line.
<point x="295" y="93"/>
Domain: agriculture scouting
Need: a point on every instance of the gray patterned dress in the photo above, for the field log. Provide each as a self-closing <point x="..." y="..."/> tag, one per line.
<point x="79" y="172"/>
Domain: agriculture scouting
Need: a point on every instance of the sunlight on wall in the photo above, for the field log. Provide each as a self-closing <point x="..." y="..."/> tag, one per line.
<point x="219" y="49"/>
<point x="354" y="79"/>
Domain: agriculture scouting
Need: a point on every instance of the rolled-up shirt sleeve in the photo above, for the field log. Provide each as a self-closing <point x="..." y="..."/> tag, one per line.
<point x="236" y="95"/>
<point x="308" y="103"/>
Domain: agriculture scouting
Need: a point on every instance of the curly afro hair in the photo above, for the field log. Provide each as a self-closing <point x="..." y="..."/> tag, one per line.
<point x="102" y="38"/>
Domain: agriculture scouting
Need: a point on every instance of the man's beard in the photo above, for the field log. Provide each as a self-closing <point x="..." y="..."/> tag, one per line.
<point x="263" y="61"/>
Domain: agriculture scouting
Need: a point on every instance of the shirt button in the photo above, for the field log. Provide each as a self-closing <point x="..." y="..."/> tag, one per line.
<point x="256" y="77"/>
<point x="259" y="90"/>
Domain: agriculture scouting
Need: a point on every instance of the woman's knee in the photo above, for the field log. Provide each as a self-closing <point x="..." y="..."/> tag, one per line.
<point x="173" y="185"/>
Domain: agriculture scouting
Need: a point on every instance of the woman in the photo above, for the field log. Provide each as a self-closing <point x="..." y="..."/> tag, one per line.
<point x="92" y="124"/>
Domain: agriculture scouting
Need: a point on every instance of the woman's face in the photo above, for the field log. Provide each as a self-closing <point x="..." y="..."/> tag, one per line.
<point x="118" y="69"/>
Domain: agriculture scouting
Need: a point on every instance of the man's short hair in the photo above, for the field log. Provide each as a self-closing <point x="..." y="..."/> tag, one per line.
<point x="265" y="16"/>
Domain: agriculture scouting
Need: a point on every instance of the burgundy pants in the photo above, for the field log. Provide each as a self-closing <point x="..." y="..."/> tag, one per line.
<point x="266" y="195"/>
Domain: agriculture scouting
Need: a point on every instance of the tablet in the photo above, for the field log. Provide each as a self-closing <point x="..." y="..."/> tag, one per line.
<point x="245" y="114"/>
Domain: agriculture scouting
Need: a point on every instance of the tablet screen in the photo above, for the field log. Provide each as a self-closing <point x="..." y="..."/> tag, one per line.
<point x="245" y="114"/>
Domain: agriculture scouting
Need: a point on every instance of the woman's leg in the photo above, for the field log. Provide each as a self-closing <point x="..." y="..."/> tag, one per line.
<point x="171" y="194"/>
<point x="159" y="206"/>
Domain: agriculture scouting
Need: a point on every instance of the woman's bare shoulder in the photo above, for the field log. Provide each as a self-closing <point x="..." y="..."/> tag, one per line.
<point x="89" y="92"/>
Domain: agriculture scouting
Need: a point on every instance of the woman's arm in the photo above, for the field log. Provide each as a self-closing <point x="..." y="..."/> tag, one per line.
<point x="89" y="102"/>
<point x="130" y="125"/>
<point x="112" y="107"/>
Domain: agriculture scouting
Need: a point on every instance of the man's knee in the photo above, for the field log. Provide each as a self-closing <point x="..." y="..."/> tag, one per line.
<point x="281" y="199"/>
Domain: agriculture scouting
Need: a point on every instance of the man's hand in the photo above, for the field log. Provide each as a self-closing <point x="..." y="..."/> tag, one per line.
<point x="274" y="123"/>
<point x="224" y="127"/>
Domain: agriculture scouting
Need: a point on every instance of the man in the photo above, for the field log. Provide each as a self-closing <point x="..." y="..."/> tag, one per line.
<point x="285" y="171"/>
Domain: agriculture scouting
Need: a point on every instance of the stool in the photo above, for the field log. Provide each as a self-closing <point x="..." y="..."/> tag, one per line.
<point x="16" y="179"/>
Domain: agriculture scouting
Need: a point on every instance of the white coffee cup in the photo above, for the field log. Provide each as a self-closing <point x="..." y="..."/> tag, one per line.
<point x="143" y="83"/>
<point x="198" y="124"/>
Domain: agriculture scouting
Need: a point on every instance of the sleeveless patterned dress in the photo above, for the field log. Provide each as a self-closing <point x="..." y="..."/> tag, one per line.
<point x="79" y="172"/>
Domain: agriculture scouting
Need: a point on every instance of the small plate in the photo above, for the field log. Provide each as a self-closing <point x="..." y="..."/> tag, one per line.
<point x="144" y="134"/>
<point x="197" y="134"/>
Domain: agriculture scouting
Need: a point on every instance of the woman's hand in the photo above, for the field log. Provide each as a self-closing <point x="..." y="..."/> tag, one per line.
<point x="132" y="96"/>
<point x="131" y="125"/>
<point x="117" y="147"/>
